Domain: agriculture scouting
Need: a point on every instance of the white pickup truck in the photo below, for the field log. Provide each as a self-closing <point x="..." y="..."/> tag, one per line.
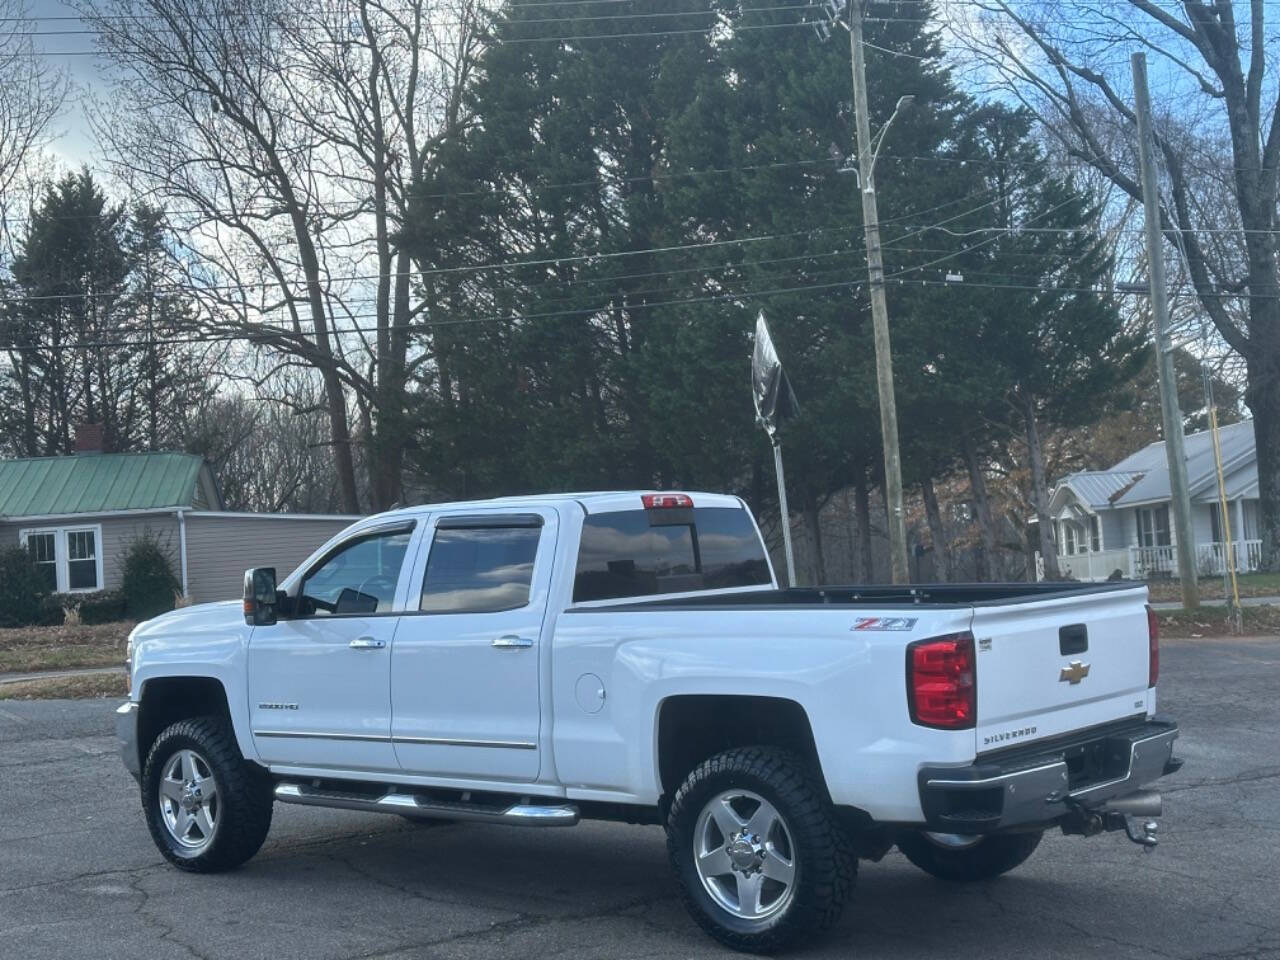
<point x="630" y="656"/>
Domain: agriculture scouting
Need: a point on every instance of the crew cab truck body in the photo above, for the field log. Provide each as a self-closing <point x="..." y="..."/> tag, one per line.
<point x="630" y="655"/>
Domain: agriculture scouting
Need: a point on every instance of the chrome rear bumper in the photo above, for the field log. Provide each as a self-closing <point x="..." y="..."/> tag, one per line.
<point x="1041" y="784"/>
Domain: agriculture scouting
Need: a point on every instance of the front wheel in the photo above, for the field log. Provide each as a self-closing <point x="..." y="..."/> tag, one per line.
<point x="961" y="859"/>
<point x="207" y="808"/>
<point x="761" y="860"/>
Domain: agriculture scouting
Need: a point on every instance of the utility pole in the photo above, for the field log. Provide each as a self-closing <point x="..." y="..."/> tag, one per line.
<point x="879" y="306"/>
<point x="1172" y="416"/>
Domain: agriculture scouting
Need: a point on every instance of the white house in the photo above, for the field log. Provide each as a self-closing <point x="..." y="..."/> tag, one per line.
<point x="1119" y="519"/>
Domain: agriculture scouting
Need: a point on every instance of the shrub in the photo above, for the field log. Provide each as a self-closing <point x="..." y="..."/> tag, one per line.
<point x="105" y="606"/>
<point x="149" y="584"/>
<point x="22" y="591"/>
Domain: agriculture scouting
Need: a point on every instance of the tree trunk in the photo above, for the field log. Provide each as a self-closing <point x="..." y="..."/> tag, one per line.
<point x="1040" y="491"/>
<point x="982" y="507"/>
<point x="941" y="545"/>
<point x="1263" y="398"/>
<point x="387" y="442"/>
<point x="335" y="396"/>
<point x="865" y="571"/>
<point x="813" y="527"/>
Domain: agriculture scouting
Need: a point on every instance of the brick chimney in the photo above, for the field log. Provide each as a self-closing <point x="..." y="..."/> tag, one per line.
<point x="88" y="438"/>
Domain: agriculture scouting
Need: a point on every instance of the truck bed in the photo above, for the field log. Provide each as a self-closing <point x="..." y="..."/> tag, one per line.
<point x="887" y="595"/>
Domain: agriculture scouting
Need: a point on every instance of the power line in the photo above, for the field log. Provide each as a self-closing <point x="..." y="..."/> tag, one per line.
<point x="356" y="203"/>
<point x="733" y="28"/>
<point x="503" y="22"/>
<point x="552" y="261"/>
<point x="268" y="335"/>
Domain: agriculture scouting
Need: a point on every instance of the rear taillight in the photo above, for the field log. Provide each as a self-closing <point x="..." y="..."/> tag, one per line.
<point x="941" y="687"/>
<point x="1153" y="638"/>
<point x="666" y="501"/>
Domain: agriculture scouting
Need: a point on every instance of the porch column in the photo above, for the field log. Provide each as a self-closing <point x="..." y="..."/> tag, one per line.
<point x="1242" y="551"/>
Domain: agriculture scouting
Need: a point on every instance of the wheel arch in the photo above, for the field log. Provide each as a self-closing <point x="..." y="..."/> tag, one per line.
<point x="690" y="727"/>
<point x="164" y="700"/>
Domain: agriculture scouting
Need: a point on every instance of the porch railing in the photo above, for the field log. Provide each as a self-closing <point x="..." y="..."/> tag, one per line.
<point x="1144" y="563"/>
<point x="1211" y="558"/>
<point x="1095" y="565"/>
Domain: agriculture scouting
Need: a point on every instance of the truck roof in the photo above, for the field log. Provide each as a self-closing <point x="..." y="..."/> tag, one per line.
<point x="596" y="501"/>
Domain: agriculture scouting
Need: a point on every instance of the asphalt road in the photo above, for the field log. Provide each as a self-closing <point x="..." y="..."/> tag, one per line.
<point x="80" y="878"/>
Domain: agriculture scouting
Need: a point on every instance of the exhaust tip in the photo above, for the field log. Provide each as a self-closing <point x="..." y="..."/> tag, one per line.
<point x="1142" y="804"/>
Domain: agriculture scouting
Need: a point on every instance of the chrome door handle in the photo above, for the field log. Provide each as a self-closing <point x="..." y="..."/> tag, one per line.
<point x="367" y="643"/>
<point x="512" y="641"/>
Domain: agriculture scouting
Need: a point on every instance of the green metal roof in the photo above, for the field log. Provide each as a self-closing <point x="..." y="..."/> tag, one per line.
<point x="95" y="483"/>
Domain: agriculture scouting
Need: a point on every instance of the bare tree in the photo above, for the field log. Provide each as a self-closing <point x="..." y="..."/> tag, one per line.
<point x="284" y="137"/>
<point x="32" y="93"/>
<point x="1215" y="78"/>
<point x="268" y="454"/>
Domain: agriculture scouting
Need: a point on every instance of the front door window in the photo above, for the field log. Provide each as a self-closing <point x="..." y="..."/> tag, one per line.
<point x="360" y="577"/>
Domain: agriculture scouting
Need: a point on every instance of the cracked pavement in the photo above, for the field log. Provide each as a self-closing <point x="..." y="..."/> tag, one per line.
<point x="79" y="876"/>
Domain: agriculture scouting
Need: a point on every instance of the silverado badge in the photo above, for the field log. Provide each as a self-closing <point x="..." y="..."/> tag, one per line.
<point x="1074" y="672"/>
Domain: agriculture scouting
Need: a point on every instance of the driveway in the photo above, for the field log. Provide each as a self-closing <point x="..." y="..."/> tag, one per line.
<point x="80" y="878"/>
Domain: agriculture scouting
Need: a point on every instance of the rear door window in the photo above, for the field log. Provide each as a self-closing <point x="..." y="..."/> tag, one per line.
<point x="480" y="569"/>
<point x="636" y="553"/>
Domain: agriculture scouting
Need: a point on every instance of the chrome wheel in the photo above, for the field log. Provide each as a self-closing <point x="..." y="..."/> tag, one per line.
<point x="952" y="841"/>
<point x="189" y="802"/>
<point x="744" y="855"/>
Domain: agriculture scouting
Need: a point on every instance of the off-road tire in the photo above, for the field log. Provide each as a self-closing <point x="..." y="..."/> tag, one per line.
<point x="989" y="858"/>
<point x="825" y="865"/>
<point x="244" y="792"/>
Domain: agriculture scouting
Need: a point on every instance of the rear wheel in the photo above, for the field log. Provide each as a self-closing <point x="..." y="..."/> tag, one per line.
<point x="761" y="860"/>
<point x="961" y="859"/>
<point x="207" y="808"/>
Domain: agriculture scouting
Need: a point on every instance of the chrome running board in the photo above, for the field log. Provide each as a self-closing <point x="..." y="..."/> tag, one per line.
<point x="524" y="813"/>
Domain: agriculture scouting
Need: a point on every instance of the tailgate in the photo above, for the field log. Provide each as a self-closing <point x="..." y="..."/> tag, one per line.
<point x="1046" y="667"/>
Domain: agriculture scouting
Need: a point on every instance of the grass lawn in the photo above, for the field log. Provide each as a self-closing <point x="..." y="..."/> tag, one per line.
<point x="1249" y="584"/>
<point x="88" y="686"/>
<point x="28" y="649"/>
<point x="1212" y="621"/>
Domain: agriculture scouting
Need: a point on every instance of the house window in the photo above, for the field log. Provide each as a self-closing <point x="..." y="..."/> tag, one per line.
<point x="82" y="560"/>
<point x="1215" y="524"/>
<point x="1095" y="534"/>
<point x="43" y="549"/>
<point x="1068" y="538"/>
<point x="69" y="559"/>
<point x="1153" y="526"/>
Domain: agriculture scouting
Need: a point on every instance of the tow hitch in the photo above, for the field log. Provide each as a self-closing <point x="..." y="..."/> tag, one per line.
<point x="1120" y="813"/>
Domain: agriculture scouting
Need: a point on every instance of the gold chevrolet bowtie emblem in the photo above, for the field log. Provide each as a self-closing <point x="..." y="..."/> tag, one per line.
<point x="1074" y="672"/>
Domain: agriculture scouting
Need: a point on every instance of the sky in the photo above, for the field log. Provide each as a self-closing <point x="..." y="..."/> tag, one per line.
<point x="67" y="44"/>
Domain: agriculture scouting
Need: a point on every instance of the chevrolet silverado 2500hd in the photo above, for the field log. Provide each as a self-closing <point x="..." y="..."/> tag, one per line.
<point x="630" y="656"/>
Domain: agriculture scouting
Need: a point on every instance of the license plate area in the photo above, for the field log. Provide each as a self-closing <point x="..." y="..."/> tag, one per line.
<point x="1096" y="760"/>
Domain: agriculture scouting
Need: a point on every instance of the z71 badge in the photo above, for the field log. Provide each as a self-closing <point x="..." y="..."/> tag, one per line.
<point x="884" y="623"/>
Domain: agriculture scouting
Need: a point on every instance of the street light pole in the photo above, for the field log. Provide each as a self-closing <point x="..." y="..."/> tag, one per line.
<point x="867" y="156"/>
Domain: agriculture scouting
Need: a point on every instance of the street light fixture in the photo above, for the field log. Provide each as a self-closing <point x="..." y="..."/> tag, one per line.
<point x="904" y="102"/>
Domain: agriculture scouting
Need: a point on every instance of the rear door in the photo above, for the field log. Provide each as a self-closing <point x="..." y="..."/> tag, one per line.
<point x="1052" y="666"/>
<point x="466" y="663"/>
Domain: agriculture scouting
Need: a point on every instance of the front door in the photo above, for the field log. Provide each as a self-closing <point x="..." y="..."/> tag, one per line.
<point x="465" y="666"/>
<point x="319" y="681"/>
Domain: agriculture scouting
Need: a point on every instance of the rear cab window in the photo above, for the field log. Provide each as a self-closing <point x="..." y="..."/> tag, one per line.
<point x="646" y="552"/>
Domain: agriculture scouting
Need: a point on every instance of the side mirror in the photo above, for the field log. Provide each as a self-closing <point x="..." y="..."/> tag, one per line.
<point x="260" y="598"/>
